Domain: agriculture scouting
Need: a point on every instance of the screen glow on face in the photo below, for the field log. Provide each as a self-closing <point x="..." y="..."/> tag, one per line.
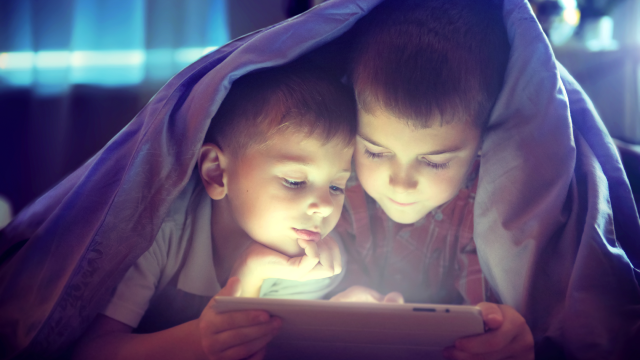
<point x="294" y="185"/>
<point x="409" y="171"/>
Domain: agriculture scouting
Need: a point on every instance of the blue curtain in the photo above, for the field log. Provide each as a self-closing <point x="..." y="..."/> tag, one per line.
<point x="52" y="44"/>
<point x="74" y="72"/>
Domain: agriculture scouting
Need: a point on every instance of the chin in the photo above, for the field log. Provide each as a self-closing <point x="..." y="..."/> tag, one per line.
<point x="405" y="218"/>
<point x="294" y="252"/>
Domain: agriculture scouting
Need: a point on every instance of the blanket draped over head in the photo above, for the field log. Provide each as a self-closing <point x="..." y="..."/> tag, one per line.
<point x="556" y="227"/>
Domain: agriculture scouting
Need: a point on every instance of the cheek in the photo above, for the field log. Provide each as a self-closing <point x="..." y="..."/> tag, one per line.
<point x="258" y="209"/>
<point x="270" y="210"/>
<point x="246" y="206"/>
<point x="369" y="173"/>
<point x="331" y="220"/>
<point x="447" y="185"/>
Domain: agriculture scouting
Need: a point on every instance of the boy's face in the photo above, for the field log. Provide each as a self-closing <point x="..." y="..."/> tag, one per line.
<point x="408" y="171"/>
<point x="291" y="188"/>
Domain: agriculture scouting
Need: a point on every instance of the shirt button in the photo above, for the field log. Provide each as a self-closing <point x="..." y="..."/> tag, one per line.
<point x="438" y="216"/>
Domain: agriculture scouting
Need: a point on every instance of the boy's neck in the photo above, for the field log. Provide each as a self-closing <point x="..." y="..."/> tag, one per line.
<point x="228" y="239"/>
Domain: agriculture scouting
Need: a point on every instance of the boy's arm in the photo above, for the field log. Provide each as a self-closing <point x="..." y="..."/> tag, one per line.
<point x="108" y="338"/>
<point x="233" y="335"/>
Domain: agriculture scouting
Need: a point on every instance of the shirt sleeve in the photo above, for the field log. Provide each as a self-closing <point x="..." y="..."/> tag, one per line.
<point x="133" y="294"/>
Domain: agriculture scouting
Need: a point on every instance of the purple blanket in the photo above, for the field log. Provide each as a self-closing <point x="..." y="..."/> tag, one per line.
<point x="556" y="227"/>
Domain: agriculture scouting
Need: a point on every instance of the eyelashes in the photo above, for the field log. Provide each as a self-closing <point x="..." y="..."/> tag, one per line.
<point x="372" y="155"/>
<point x="299" y="184"/>
<point x="292" y="183"/>
<point x="435" y="166"/>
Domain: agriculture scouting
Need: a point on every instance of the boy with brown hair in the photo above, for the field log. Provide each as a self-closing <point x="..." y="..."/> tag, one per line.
<point x="426" y="75"/>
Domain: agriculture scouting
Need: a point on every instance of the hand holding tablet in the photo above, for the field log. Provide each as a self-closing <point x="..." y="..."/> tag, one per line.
<point x="317" y="329"/>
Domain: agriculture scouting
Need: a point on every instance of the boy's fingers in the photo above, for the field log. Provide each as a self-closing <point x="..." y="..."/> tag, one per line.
<point x="359" y="294"/>
<point x="318" y="272"/>
<point x="515" y="350"/>
<point x="243" y="342"/>
<point x="303" y="263"/>
<point x="393" y="297"/>
<point x="326" y="257"/>
<point x="489" y="342"/>
<point x="214" y="323"/>
<point x="337" y="261"/>
<point x="512" y="338"/>
<point x="232" y="288"/>
<point x="248" y="350"/>
<point x="310" y="248"/>
<point x="491" y="314"/>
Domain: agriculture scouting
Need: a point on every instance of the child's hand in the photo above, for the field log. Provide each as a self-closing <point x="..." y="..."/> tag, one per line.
<point x="508" y="336"/>
<point x="326" y="255"/>
<point x="321" y="259"/>
<point x="364" y="294"/>
<point x="236" y="334"/>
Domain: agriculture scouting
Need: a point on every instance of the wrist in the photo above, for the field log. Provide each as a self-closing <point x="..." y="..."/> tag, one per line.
<point x="250" y="281"/>
<point x="251" y="286"/>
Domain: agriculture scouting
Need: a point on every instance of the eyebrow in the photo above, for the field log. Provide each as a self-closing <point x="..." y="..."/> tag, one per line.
<point x="304" y="164"/>
<point x="434" y="152"/>
<point x="285" y="161"/>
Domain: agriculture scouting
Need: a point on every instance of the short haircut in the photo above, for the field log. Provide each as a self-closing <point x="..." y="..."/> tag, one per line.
<point x="296" y="97"/>
<point x="428" y="60"/>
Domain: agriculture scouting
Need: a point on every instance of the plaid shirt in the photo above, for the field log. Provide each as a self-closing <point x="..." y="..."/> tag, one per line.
<point x="431" y="261"/>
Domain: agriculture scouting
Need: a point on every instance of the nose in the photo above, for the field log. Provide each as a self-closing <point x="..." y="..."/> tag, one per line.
<point x="321" y="203"/>
<point x="402" y="178"/>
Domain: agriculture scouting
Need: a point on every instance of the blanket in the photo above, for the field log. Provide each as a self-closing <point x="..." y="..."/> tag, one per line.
<point x="556" y="228"/>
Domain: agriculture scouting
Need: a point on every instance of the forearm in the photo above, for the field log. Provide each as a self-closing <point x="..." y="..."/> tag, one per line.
<point x="250" y="286"/>
<point x="180" y="342"/>
<point x="250" y="279"/>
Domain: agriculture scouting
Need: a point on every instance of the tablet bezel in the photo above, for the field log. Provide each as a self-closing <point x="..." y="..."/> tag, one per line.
<point x="429" y="326"/>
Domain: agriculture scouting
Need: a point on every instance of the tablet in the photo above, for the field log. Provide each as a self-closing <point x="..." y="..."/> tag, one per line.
<point x="319" y="329"/>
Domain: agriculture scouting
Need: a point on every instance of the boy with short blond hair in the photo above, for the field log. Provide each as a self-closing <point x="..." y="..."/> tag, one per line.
<point x="273" y="169"/>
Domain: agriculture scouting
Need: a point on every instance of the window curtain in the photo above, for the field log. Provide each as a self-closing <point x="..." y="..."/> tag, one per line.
<point x="75" y="72"/>
<point x="54" y="44"/>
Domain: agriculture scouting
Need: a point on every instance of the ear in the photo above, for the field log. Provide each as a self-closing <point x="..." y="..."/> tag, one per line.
<point x="212" y="166"/>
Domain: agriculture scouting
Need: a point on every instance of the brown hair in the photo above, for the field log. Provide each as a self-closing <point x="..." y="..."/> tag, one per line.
<point x="297" y="96"/>
<point x="427" y="60"/>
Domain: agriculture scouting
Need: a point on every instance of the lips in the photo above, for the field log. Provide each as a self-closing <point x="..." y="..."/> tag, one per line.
<point x="307" y="235"/>
<point x="400" y="204"/>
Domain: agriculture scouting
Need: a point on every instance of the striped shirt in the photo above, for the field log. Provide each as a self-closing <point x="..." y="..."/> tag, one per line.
<point x="431" y="261"/>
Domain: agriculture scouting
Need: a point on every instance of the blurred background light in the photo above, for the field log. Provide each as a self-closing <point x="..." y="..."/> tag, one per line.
<point x="52" y="45"/>
<point x="98" y="67"/>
